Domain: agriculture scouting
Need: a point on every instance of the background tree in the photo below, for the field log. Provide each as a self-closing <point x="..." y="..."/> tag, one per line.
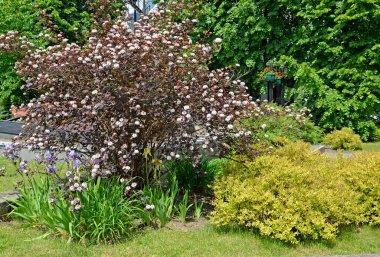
<point x="342" y="38"/>
<point x="332" y="46"/>
<point x="34" y="18"/>
<point x="253" y="32"/>
<point x="21" y="16"/>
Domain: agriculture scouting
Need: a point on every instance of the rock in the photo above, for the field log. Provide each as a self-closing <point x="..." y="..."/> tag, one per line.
<point x="333" y="154"/>
<point x="5" y="208"/>
<point x="320" y="148"/>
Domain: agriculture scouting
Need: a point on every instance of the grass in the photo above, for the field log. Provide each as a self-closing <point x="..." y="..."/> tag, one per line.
<point x="11" y="177"/>
<point x="9" y="180"/>
<point x="17" y="241"/>
<point x="372" y="147"/>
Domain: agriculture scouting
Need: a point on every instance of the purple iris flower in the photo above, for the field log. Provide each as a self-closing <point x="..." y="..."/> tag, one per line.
<point x="72" y="155"/>
<point x="38" y="158"/>
<point x="49" y="157"/>
<point x="77" y="164"/>
<point x="52" y="169"/>
<point x="24" y="163"/>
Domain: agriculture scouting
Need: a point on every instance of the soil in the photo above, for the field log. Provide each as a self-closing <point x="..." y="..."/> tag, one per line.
<point x="190" y="225"/>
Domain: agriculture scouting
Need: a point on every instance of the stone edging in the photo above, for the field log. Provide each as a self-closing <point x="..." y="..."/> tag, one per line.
<point x="5" y="208"/>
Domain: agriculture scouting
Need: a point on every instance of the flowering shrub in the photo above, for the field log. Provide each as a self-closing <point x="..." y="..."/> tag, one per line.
<point x="42" y="23"/>
<point x="132" y="95"/>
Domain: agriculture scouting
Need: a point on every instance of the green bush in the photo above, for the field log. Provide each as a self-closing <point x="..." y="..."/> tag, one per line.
<point x="376" y="135"/>
<point x="344" y="139"/>
<point x="363" y="176"/>
<point x="283" y="124"/>
<point x="298" y="194"/>
<point x="197" y="178"/>
<point x="104" y="213"/>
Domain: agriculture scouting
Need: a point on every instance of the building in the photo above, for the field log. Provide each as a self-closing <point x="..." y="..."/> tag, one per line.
<point x="8" y="130"/>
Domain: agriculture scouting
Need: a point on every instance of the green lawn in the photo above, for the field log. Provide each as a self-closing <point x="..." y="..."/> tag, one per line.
<point x="8" y="181"/>
<point x="15" y="241"/>
<point x="372" y="147"/>
<point x="11" y="177"/>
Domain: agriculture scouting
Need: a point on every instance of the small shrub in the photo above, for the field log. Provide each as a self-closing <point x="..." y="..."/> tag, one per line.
<point x="366" y="130"/>
<point x="344" y="139"/>
<point x="376" y="135"/>
<point x="363" y="176"/>
<point x="298" y="194"/>
<point x="283" y="123"/>
<point x="198" y="178"/>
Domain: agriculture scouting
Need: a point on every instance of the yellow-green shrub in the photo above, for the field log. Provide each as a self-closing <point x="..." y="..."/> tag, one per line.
<point x="376" y="135"/>
<point x="296" y="194"/>
<point x="363" y="175"/>
<point x="280" y="141"/>
<point x="345" y="139"/>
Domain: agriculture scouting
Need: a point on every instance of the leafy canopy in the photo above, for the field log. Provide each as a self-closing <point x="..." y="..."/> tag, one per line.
<point x="331" y="46"/>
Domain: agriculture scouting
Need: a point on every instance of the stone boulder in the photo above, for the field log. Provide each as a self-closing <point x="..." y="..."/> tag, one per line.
<point x="5" y="207"/>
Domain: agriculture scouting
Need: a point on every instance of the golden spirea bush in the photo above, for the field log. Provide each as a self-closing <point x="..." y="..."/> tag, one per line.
<point x="297" y="194"/>
<point x="376" y="135"/>
<point x="344" y="139"/>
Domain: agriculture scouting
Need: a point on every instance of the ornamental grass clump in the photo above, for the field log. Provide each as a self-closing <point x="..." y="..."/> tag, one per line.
<point x="296" y="194"/>
<point x="132" y="90"/>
